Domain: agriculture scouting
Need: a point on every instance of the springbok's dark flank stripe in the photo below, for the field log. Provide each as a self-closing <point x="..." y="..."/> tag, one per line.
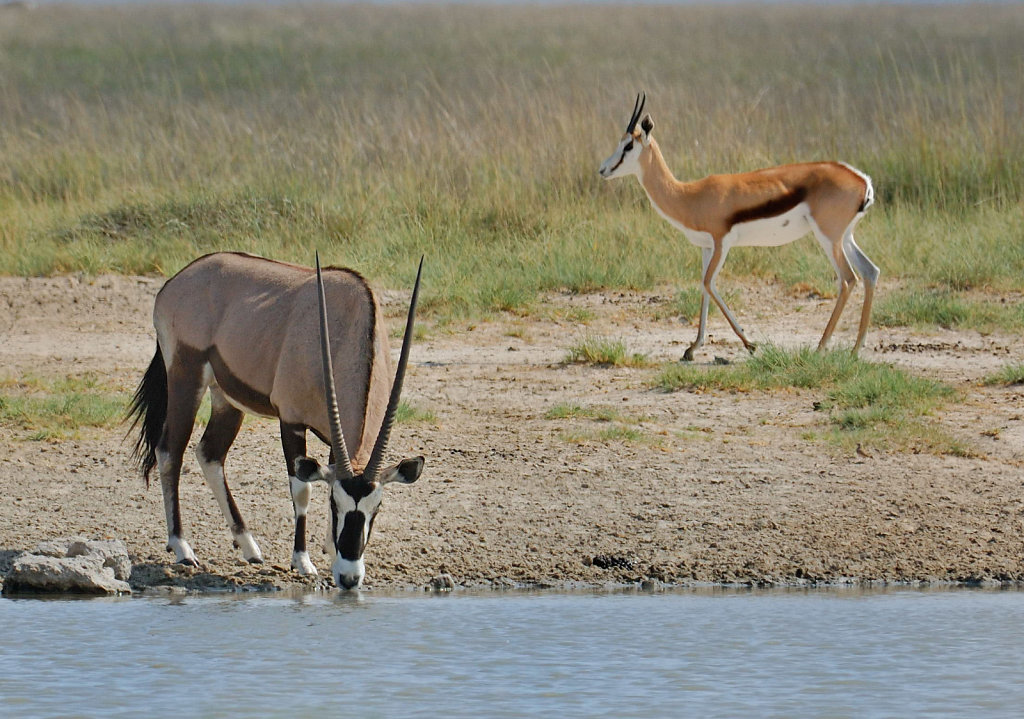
<point x="772" y="208"/>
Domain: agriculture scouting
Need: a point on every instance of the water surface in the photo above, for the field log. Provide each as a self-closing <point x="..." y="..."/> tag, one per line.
<point x="780" y="653"/>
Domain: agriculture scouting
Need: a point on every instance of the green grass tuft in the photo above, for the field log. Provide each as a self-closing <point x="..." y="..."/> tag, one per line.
<point x="600" y="424"/>
<point x="408" y="414"/>
<point x="948" y="309"/>
<point x="59" y="409"/>
<point x="603" y="351"/>
<point x="867" y="403"/>
<point x="1010" y="374"/>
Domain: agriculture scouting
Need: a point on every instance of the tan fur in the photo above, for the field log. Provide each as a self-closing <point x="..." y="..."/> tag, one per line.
<point x="260" y="318"/>
<point x="834" y="193"/>
<point x="721" y="211"/>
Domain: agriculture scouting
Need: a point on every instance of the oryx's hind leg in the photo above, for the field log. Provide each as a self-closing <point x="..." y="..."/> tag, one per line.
<point x="293" y="441"/>
<point x="185" y="388"/>
<point x="225" y="421"/>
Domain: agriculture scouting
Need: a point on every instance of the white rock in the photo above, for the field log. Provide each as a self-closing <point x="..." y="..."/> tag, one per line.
<point x="73" y="566"/>
<point x="113" y="551"/>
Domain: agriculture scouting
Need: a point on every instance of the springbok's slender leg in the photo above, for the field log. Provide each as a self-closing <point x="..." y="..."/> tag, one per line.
<point x="704" y="299"/>
<point x="293" y="441"/>
<point x="718" y="255"/>
<point x="845" y="276"/>
<point x="225" y="421"/>
<point x="868" y="272"/>
<point x="185" y="388"/>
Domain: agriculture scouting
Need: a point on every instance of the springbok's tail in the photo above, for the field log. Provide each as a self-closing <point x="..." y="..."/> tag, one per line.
<point x="149" y="409"/>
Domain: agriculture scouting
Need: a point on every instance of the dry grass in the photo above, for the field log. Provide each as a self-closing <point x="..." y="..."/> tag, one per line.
<point x="134" y="138"/>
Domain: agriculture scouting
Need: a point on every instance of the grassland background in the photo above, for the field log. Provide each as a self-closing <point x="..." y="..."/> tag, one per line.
<point x="133" y="139"/>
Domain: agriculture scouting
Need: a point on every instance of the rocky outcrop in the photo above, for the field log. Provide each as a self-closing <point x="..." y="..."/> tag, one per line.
<point x="73" y="566"/>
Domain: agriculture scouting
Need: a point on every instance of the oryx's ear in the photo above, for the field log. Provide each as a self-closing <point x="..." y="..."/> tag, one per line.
<point x="407" y="471"/>
<point x="646" y="125"/>
<point x="309" y="470"/>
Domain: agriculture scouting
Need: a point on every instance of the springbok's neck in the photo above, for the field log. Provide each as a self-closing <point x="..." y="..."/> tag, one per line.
<point x="666" y="193"/>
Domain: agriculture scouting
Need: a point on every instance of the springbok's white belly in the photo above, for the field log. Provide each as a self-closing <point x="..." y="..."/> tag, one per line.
<point x="769" y="232"/>
<point x="772" y="231"/>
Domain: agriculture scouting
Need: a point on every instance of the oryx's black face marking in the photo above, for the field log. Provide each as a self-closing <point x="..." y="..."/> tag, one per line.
<point x="354" y="505"/>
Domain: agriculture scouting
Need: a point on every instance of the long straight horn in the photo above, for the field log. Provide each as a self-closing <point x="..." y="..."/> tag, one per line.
<point x="342" y="463"/>
<point x="638" y="107"/>
<point x="377" y="456"/>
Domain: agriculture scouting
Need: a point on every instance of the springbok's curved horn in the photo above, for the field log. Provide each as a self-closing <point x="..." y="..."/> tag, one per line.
<point x="342" y="463"/>
<point x="377" y="456"/>
<point x="638" y="108"/>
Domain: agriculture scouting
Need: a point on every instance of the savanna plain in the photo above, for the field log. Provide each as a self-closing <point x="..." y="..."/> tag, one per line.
<point x="566" y="443"/>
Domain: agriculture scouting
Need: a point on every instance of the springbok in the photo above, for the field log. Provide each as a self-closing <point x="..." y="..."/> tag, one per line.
<point x="244" y="328"/>
<point x="763" y="208"/>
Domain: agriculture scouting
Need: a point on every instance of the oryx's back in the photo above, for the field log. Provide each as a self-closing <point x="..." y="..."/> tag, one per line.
<point x="253" y="323"/>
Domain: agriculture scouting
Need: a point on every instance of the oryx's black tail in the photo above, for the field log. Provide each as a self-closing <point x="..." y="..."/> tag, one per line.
<point x="149" y="409"/>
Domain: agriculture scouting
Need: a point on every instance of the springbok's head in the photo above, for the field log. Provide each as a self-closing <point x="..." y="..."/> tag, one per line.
<point x="626" y="158"/>
<point x="356" y="496"/>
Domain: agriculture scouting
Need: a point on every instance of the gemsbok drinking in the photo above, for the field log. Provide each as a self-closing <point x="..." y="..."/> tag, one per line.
<point x="248" y="329"/>
<point x="763" y="208"/>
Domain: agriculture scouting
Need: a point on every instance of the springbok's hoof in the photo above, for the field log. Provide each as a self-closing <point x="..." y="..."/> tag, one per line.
<point x="255" y="560"/>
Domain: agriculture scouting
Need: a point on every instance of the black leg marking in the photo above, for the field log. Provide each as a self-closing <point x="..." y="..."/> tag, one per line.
<point x="293" y="442"/>
<point x="225" y="422"/>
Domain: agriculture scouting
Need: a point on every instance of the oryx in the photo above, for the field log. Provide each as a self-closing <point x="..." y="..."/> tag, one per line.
<point x="246" y="328"/>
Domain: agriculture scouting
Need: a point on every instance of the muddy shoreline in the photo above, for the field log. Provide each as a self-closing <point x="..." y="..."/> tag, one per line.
<point x="711" y="488"/>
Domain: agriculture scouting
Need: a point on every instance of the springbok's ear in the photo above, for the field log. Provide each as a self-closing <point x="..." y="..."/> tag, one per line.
<point x="407" y="471"/>
<point x="646" y="125"/>
<point x="309" y="470"/>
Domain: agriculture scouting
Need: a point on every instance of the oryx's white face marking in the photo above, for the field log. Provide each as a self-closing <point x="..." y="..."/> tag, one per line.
<point x="625" y="160"/>
<point x="354" y="505"/>
<point x="355" y="502"/>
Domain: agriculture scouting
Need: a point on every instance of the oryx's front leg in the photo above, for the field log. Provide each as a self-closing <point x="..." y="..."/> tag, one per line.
<point x="293" y="441"/>
<point x="225" y="421"/>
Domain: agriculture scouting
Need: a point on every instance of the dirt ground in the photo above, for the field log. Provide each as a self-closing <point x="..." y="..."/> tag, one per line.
<point x="712" y="487"/>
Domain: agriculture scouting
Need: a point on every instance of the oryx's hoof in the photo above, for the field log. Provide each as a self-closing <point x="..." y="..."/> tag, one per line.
<point x="688" y="355"/>
<point x="255" y="560"/>
<point x="189" y="562"/>
<point x="302" y="564"/>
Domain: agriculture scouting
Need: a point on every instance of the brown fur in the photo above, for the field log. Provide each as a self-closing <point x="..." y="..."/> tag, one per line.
<point x="255" y="321"/>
